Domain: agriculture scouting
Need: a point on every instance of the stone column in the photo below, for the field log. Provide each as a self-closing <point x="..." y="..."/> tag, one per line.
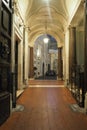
<point x="31" y="63"/>
<point x="66" y="58"/>
<point x="84" y="87"/>
<point x="60" y="64"/>
<point x="13" y="84"/>
<point x="85" y="49"/>
<point x="72" y="50"/>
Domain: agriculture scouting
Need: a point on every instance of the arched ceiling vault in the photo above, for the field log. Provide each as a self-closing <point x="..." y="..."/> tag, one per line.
<point x="48" y="16"/>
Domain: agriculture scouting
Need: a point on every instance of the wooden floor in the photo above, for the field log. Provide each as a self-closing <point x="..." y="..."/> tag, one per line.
<point x="46" y="108"/>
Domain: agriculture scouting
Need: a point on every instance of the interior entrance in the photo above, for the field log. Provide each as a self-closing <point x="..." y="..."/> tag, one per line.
<point x="46" y="57"/>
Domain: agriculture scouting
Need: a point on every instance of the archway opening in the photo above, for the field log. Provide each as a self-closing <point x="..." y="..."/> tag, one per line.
<point x="45" y="57"/>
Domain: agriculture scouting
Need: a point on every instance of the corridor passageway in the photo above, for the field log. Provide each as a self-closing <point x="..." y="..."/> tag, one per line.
<point x="43" y="40"/>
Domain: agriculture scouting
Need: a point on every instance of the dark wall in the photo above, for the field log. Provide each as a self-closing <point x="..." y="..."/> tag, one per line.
<point x="5" y="58"/>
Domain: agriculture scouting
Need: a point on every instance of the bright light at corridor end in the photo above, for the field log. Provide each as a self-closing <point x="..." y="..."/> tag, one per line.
<point x="45" y="40"/>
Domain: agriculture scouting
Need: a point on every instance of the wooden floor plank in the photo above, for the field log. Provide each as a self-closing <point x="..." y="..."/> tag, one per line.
<point x="46" y="109"/>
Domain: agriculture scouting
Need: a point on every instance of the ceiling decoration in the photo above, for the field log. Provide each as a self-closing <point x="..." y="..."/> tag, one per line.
<point x="55" y="14"/>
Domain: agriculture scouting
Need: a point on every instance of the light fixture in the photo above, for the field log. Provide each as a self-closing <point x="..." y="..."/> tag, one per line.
<point x="46" y="40"/>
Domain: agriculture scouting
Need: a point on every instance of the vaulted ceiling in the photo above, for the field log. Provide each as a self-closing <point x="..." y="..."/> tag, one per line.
<point x="48" y="16"/>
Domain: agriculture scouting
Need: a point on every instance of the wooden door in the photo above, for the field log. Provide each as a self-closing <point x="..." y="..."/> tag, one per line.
<point x="5" y="57"/>
<point x="5" y="44"/>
